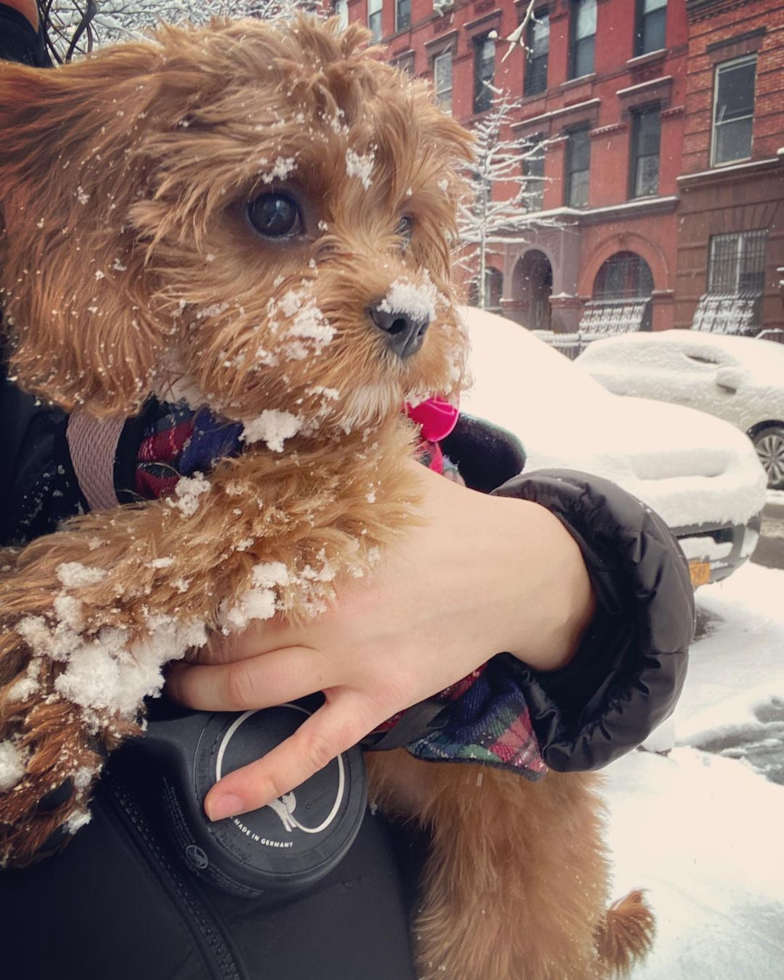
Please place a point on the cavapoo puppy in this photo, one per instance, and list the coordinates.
(256, 219)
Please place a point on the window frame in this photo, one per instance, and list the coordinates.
(398, 25)
(574, 41)
(755, 239)
(640, 24)
(448, 54)
(635, 156)
(538, 145)
(481, 90)
(570, 171)
(721, 68)
(532, 62)
(375, 19)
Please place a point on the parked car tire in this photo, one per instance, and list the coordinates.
(769, 443)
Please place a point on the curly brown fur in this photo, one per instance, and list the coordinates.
(625, 937)
(129, 267)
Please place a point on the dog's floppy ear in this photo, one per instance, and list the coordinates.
(72, 275)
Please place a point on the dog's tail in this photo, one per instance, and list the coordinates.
(625, 935)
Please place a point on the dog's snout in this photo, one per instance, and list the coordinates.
(405, 333)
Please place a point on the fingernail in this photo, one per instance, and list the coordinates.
(226, 805)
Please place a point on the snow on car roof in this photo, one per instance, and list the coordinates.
(690, 467)
(760, 358)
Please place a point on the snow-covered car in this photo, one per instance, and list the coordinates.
(738, 379)
(699, 473)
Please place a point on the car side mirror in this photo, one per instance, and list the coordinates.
(728, 379)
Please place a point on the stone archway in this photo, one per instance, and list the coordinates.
(532, 287)
(621, 296)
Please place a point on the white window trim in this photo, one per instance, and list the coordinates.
(375, 7)
(725, 65)
(439, 57)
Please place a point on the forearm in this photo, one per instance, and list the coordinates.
(541, 592)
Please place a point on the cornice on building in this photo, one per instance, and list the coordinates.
(737, 171)
(642, 208)
(702, 9)
(556, 113)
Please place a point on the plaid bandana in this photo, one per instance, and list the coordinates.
(488, 720)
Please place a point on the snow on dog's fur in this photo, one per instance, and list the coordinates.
(130, 266)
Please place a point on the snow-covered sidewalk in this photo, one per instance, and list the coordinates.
(704, 832)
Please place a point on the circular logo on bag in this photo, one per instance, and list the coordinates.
(196, 857)
(297, 838)
(299, 821)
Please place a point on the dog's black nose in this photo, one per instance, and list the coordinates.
(405, 333)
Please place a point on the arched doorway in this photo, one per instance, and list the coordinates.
(532, 287)
(621, 300)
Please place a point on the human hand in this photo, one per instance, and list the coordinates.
(481, 575)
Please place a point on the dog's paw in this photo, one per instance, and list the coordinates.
(49, 758)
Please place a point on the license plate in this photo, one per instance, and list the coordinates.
(700, 573)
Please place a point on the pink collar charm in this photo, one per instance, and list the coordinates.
(436, 417)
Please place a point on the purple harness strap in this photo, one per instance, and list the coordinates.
(92, 444)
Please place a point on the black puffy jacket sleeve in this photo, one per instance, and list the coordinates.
(629, 670)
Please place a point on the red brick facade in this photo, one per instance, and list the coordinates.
(555, 268)
(743, 197)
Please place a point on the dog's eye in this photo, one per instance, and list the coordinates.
(275, 215)
(405, 228)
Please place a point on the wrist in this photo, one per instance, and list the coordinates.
(546, 597)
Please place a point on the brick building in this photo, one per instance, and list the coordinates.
(731, 243)
(602, 84)
(622, 99)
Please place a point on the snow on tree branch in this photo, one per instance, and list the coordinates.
(75, 27)
(507, 190)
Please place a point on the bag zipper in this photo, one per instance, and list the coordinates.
(189, 901)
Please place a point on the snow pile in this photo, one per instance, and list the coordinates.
(738, 379)
(703, 836)
(701, 831)
(691, 468)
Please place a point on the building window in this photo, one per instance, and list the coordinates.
(533, 171)
(621, 297)
(583, 38)
(646, 137)
(736, 284)
(341, 12)
(375, 10)
(737, 263)
(442, 78)
(651, 26)
(624, 275)
(402, 15)
(537, 49)
(484, 70)
(578, 164)
(405, 63)
(733, 111)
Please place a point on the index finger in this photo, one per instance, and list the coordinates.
(259, 637)
(338, 725)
